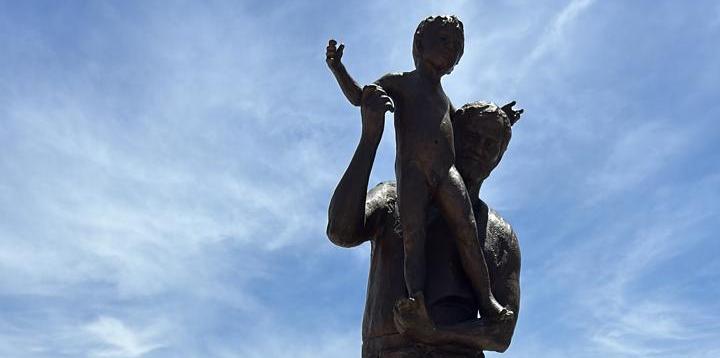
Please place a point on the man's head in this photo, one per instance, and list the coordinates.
(482, 133)
(439, 41)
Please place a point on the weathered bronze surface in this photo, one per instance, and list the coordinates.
(444, 271)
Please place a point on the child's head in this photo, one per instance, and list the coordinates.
(439, 40)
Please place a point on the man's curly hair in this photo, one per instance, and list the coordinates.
(484, 111)
(452, 21)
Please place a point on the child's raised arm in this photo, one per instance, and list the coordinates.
(350, 88)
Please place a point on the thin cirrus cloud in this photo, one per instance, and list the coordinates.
(166, 172)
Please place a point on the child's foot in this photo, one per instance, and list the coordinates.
(411, 318)
(496, 311)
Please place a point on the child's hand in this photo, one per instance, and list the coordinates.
(333, 54)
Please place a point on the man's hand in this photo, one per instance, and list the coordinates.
(411, 319)
(333, 54)
(513, 114)
(373, 105)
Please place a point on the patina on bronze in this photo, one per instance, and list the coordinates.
(420, 304)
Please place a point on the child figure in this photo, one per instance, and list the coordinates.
(425, 157)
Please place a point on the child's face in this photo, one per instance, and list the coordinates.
(441, 47)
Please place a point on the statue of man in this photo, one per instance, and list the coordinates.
(425, 158)
(451, 327)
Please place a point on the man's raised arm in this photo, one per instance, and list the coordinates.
(347, 216)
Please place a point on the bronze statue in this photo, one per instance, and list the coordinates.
(435, 203)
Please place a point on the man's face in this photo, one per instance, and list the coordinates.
(441, 46)
(479, 143)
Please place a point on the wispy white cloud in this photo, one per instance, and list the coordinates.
(122, 341)
(620, 318)
(280, 342)
(553, 35)
(176, 163)
(183, 195)
(636, 155)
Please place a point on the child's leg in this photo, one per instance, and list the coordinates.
(455, 205)
(413, 199)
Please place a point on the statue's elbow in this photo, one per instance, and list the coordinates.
(505, 339)
(500, 341)
(340, 237)
(356, 101)
(499, 345)
(333, 234)
(504, 344)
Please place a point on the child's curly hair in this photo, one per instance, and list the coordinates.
(452, 21)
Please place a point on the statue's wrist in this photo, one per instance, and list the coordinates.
(371, 137)
(336, 67)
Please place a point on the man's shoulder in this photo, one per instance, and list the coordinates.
(500, 230)
(501, 248)
(381, 201)
(498, 224)
(386, 190)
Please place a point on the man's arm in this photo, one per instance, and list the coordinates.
(350, 88)
(348, 215)
(494, 335)
(477, 334)
(480, 335)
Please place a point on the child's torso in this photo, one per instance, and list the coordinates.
(423, 129)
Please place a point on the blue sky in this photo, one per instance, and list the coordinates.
(165, 170)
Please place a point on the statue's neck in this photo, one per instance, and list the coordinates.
(474, 192)
(429, 73)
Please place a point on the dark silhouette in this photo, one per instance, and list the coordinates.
(453, 329)
(425, 158)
